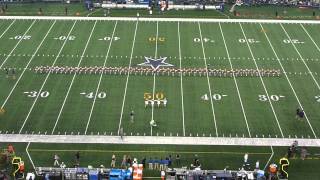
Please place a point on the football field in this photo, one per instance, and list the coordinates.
(206, 79)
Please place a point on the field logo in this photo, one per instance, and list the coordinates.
(155, 63)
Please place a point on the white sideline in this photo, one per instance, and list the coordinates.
(161, 19)
(100, 139)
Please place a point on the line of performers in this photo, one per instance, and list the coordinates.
(159, 71)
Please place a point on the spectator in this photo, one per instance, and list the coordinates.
(143, 162)
(150, 163)
(124, 162)
(56, 159)
(62, 165)
(113, 161)
(169, 160)
(77, 155)
(289, 153)
(178, 159)
(303, 153)
(129, 161)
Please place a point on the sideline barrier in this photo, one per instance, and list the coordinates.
(157, 140)
(160, 19)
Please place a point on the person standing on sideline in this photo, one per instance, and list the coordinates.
(132, 116)
(56, 159)
(124, 162)
(113, 161)
(77, 155)
(66, 11)
(178, 159)
(121, 132)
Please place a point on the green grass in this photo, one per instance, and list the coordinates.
(68, 111)
(269, 12)
(48, 9)
(257, 12)
(191, 116)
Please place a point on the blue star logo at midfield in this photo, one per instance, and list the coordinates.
(155, 63)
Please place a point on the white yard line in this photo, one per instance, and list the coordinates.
(73, 78)
(235, 81)
(272, 153)
(30, 159)
(285, 74)
(180, 65)
(126, 87)
(33, 55)
(5, 60)
(44, 82)
(154, 75)
(315, 81)
(99, 83)
(209, 85)
(262, 82)
(7, 28)
(310, 37)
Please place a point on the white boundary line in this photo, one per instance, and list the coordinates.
(235, 81)
(285, 74)
(98, 87)
(154, 75)
(73, 78)
(33, 55)
(272, 153)
(100, 139)
(161, 19)
(294, 46)
(180, 65)
(44, 82)
(7, 28)
(9, 55)
(30, 159)
(209, 85)
(126, 87)
(261, 79)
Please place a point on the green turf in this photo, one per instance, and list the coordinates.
(78, 9)
(186, 114)
(66, 110)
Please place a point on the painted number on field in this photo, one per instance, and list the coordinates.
(206, 40)
(294, 41)
(18, 37)
(63, 38)
(216, 97)
(317, 98)
(90, 95)
(251, 41)
(263, 97)
(34, 94)
(157, 96)
(108, 38)
(154, 39)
